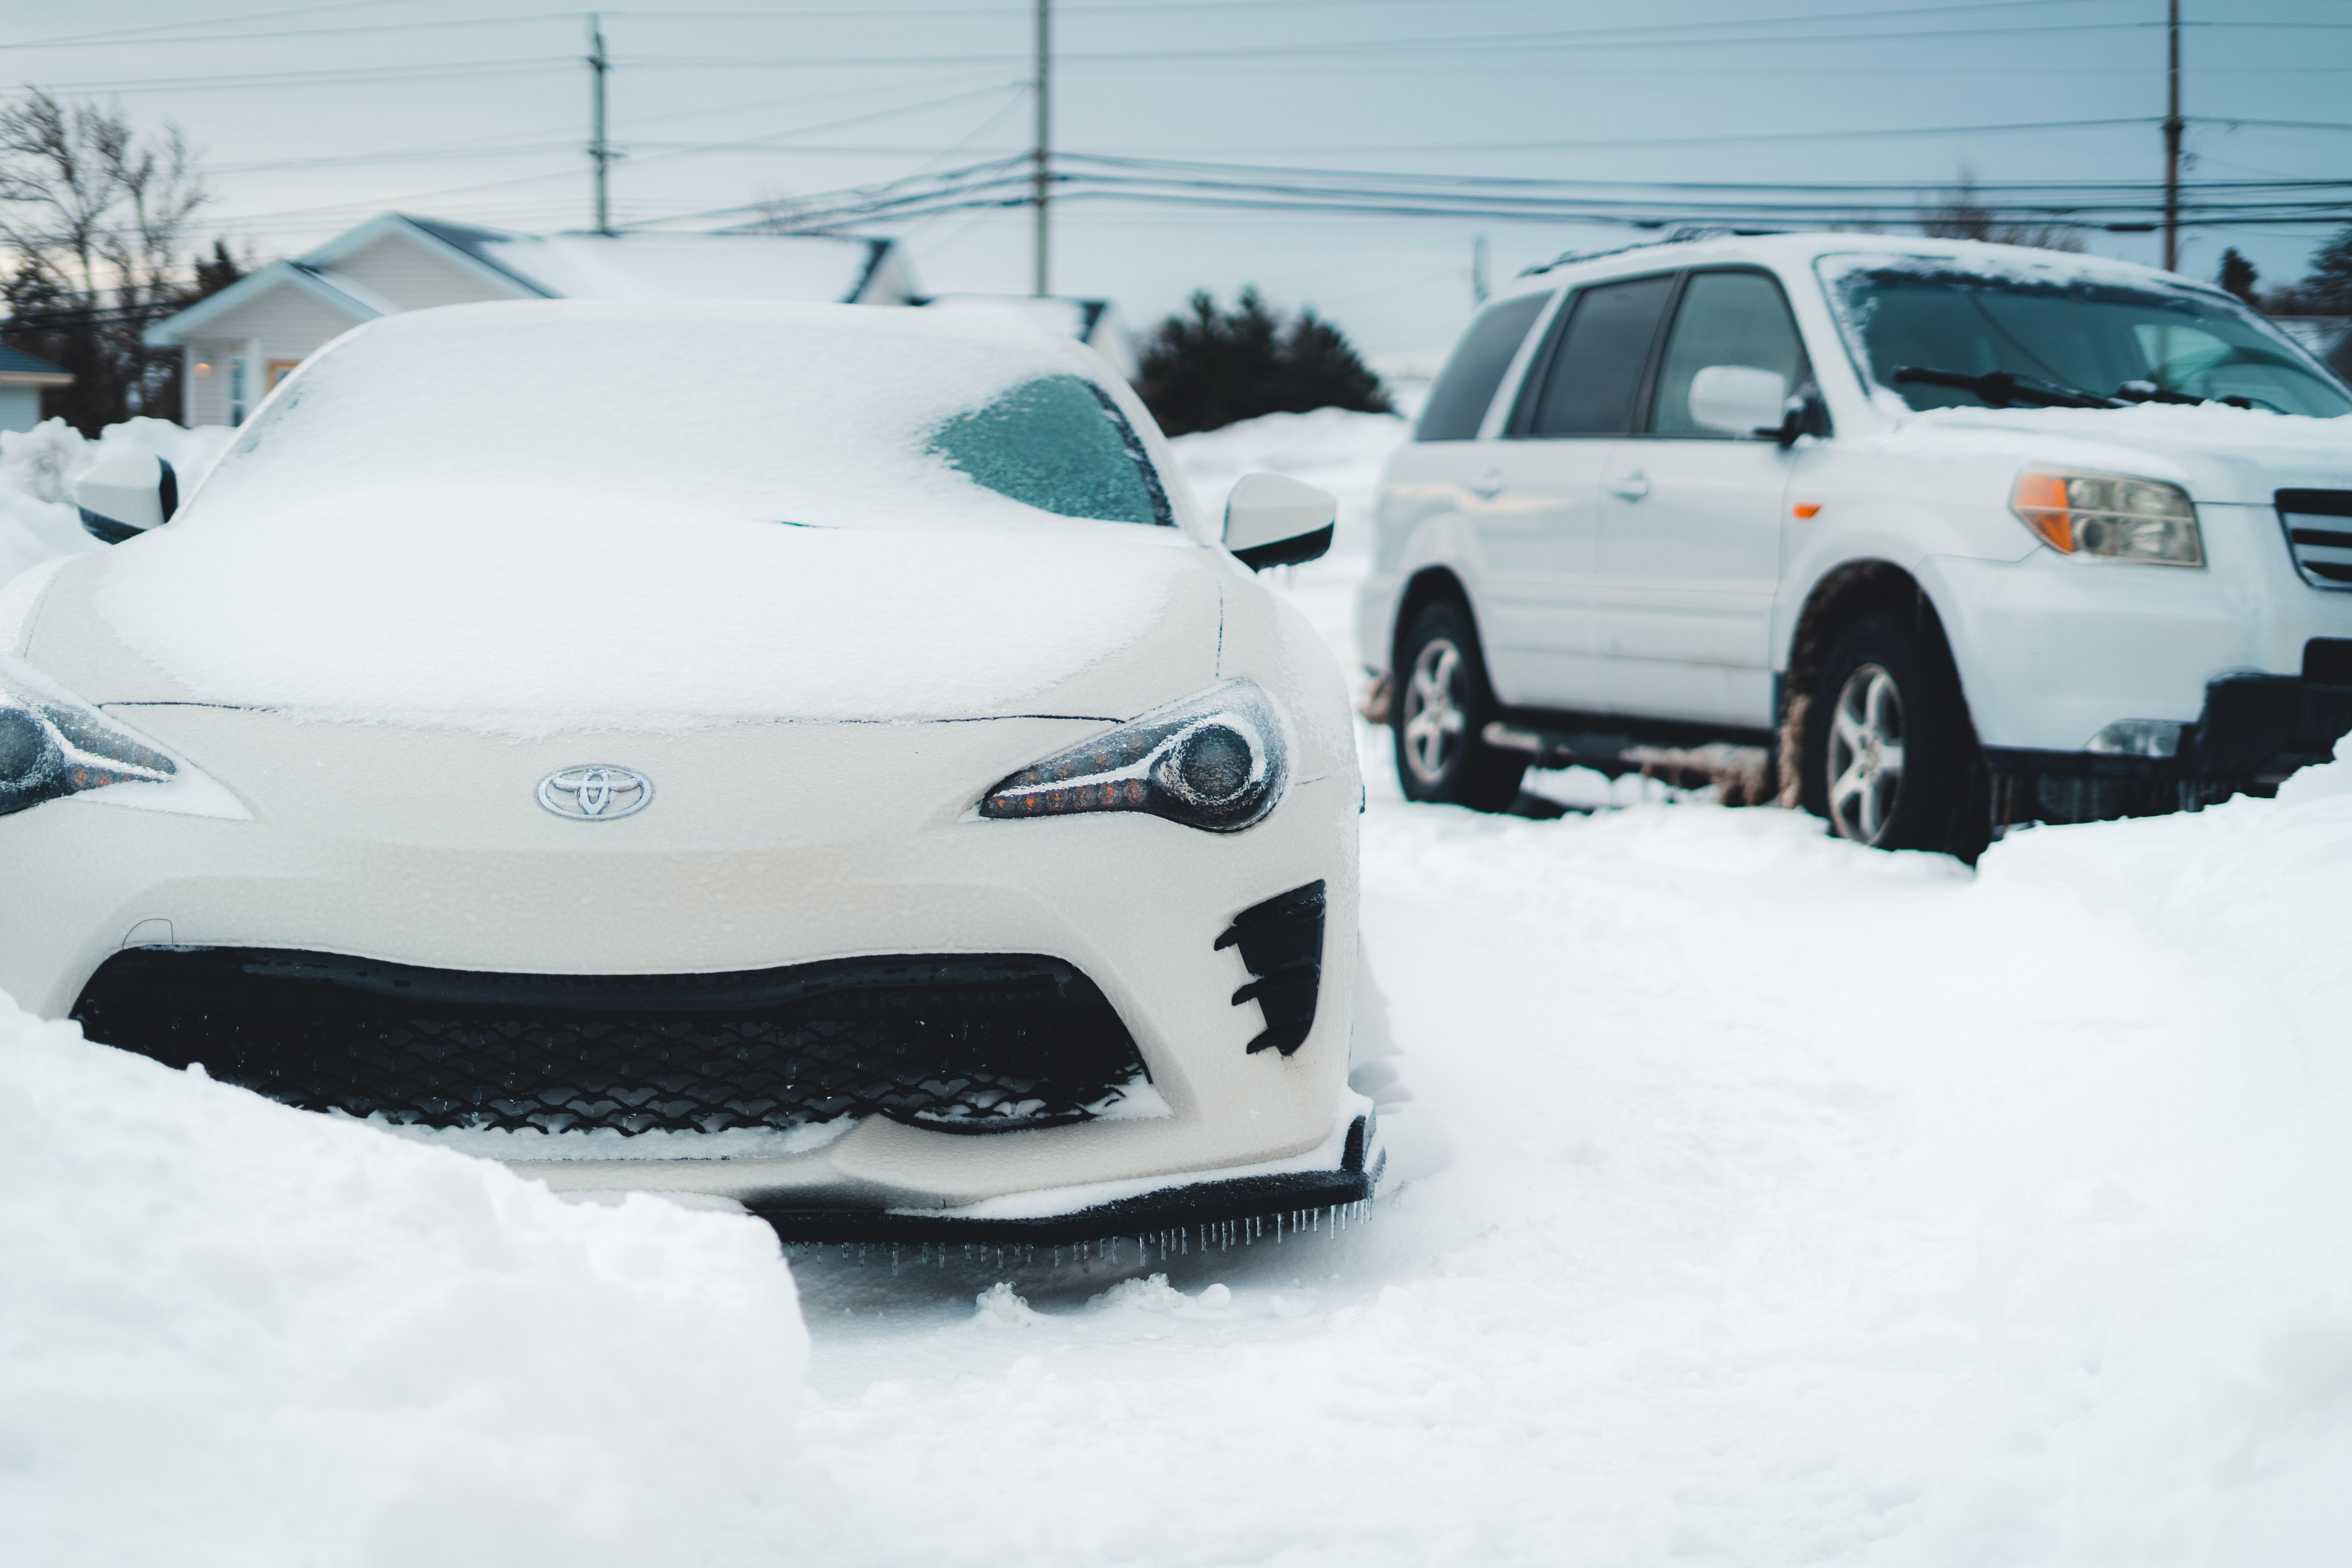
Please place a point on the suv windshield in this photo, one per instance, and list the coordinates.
(2059, 335)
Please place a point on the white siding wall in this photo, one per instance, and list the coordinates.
(403, 271)
(20, 408)
(291, 322)
(206, 394)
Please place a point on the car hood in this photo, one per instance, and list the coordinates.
(2219, 454)
(480, 618)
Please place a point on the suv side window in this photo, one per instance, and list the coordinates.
(1595, 373)
(1457, 404)
(1725, 318)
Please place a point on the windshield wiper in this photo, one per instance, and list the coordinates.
(2001, 389)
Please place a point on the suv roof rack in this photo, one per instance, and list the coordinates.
(1684, 233)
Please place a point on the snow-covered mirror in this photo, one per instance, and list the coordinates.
(1275, 520)
(126, 495)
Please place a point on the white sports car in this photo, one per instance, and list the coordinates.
(822, 757)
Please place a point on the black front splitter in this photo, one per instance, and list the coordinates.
(1293, 1199)
(1270, 1198)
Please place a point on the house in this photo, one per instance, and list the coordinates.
(2328, 339)
(1094, 322)
(22, 377)
(240, 343)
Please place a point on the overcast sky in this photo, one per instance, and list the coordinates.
(722, 102)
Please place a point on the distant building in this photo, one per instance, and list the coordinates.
(240, 343)
(2327, 338)
(1094, 322)
(22, 377)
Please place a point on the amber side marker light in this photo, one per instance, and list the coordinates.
(1806, 510)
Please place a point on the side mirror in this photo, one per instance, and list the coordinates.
(1739, 400)
(1271, 520)
(123, 496)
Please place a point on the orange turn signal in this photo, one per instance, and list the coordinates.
(2040, 502)
(1807, 509)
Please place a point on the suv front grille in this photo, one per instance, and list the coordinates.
(2319, 535)
(961, 1043)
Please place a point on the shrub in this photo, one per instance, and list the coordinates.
(1205, 367)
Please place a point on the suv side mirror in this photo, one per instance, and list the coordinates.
(123, 496)
(1273, 520)
(1739, 400)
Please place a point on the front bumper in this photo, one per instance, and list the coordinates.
(771, 845)
(2252, 730)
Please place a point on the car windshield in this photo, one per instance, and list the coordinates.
(2034, 337)
(820, 417)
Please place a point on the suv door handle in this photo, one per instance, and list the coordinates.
(1489, 484)
(1633, 487)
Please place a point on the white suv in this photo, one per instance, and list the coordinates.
(1927, 536)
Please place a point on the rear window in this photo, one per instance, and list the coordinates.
(1457, 404)
(1590, 386)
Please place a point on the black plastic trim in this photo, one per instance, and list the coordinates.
(1286, 552)
(1172, 1208)
(1282, 945)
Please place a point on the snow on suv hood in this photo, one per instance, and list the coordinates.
(524, 622)
(2220, 453)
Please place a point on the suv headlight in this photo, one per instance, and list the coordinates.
(2113, 515)
(1216, 762)
(52, 746)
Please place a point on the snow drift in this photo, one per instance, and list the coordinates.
(38, 468)
(232, 1332)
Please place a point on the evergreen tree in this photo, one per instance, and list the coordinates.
(2239, 277)
(1205, 367)
(2326, 290)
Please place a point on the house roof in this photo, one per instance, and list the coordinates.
(1047, 314)
(16, 363)
(788, 269)
(359, 303)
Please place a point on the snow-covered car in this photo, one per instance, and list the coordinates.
(820, 757)
(1927, 536)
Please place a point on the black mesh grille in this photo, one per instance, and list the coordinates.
(983, 1043)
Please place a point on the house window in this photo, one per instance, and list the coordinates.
(279, 369)
(236, 390)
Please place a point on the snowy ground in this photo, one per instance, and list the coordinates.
(1760, 1201)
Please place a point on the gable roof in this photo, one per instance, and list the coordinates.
(18, 363)
(359, 303)
(787, 269)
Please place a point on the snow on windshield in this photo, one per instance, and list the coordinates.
(2067, 327)
(822, 416)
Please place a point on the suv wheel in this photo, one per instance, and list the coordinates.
(1890, 756)
(1443, 710)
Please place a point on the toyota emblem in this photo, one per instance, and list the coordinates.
(596, 791)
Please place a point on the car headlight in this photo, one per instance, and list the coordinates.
(52, 746)
(2113, 515)
(1216, 762)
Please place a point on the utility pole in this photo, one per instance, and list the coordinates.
(2172, 145)
(600, 151)
(1044, 132)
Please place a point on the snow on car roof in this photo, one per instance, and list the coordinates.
(530, 516)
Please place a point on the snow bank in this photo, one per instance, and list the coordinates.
(1766, 1201)
(232, 1332)
(38, 468)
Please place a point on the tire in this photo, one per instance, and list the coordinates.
(1890, 756)
(1443, 707)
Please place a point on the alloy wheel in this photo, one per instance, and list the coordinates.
(1436, 704)
(1865, 754)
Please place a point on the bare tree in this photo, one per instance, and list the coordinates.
(95, 214)
(1960, 214)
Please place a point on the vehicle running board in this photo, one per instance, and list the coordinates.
(1743, 774)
